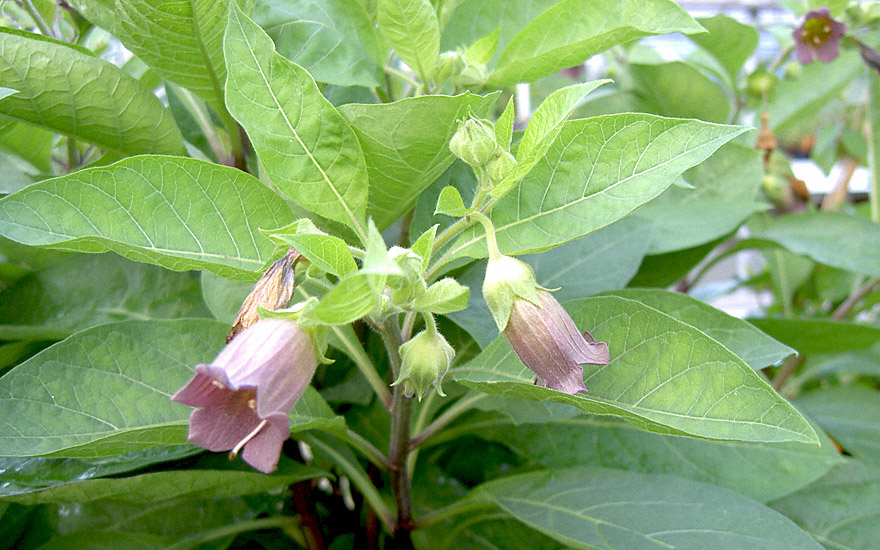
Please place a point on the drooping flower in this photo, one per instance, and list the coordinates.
(247, 391)
(818, 37)
(538, 329)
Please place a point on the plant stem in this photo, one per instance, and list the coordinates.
(72, 155)
(787, 369)
(454, 411)
(456, 508)
(873, 129)
(38, 19)
(853, 299)
(367, 449)
(286, 522)
(406, 222)
(399, 445)
(355, 350)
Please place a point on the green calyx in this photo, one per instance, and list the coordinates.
(425, 358)
(474, 141)
(507, 279)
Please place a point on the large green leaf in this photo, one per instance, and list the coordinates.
(741, 337)
(725, 195)
(664, 376)
(182, 41)
(728, 40)
(412, 28)
(816, 336)
(569, 33)
(405, 144)
(839, 240)
(756, 470)
(32, 144)
(597, 171)
(849, 415)
(614, 509)
(160, 486)
(332, 39)
(81, 291)
(67, 90)
(604, 260)
(679, 89)
(841, 510)
(106, 390)
(307, 149)
(473, 19)
(175, 212)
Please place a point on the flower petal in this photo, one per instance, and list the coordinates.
(224, 423)
(262, 452)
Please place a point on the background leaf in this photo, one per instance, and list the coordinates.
(305, 146)
(626, 510)
(849, 415)
(65, 89)
(175, 212)
(817, 336)
(679, 89)
(728, 40)
(664, 376)
(412, 28)
(406, 146)
(597, 171)
(332, 39)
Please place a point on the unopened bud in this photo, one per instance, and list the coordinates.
(424, 361)
(474, 141)
(500, 165)
(449, 64)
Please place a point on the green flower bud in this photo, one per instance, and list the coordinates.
(499, 166)
(449, 64)
(792, 70)
(474, 141)
(424, 362)
(409, 286)
(508, 279)
(760, 83)
(776, 189)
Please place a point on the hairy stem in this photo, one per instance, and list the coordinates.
(853, 299)
(367, 449)
(454, 411)
(38, 19)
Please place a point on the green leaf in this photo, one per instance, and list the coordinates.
(329, 253)
(725, 194)
(305, 146)
(348, 301)
(444, 296)
(81, 291)
(175, 212)
(504, 125)
(543, 129)
(332, 39)
(567, 34)
(472, 20)
(756, 470)
(405, 144)
(106, 390)
(597, 171)
(161, 486)
(97, 12)
(482, 50)
(841, 510)
(183, 42)
(451, 204)
(849, 415)
(66, 89)
(614, 509)
(741, 337)
(604, 260)
(679, 89)
(28, 142)
(424, 245)
(816, 336)
(412, 28)
(839, 240)
(728, 40)
(664, 376)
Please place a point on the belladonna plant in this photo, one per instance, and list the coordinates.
(818, 37)
(247, 391)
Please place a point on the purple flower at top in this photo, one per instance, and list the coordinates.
(247, 391)
(547, 341)
(818, 37)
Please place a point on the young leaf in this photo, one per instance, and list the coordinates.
(664, 376)
(728, 40)
(615, 509)
(482, 50)
(567, 34)
(183, 42)
(66, 89)
(451, 204)
(348, 301)
(175, 212)
(406, 146)
(325, 251)
(412, 28)
(544, 126)
(504, 125)
(597, 171)
(444, 296)
(424, 245)
(101, 391)
(741, 337)
(306, 147)
(334, 40)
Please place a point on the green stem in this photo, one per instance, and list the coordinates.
(454, 411)
(460, 225)
(72, 155)
(205, 126)
(289, 524)
(422, 418)
(38, 19)
(491, 243)
(360, 480)
(367, 449)
(355, 350)
(402, 76)
(873, 124)
(455, 509)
